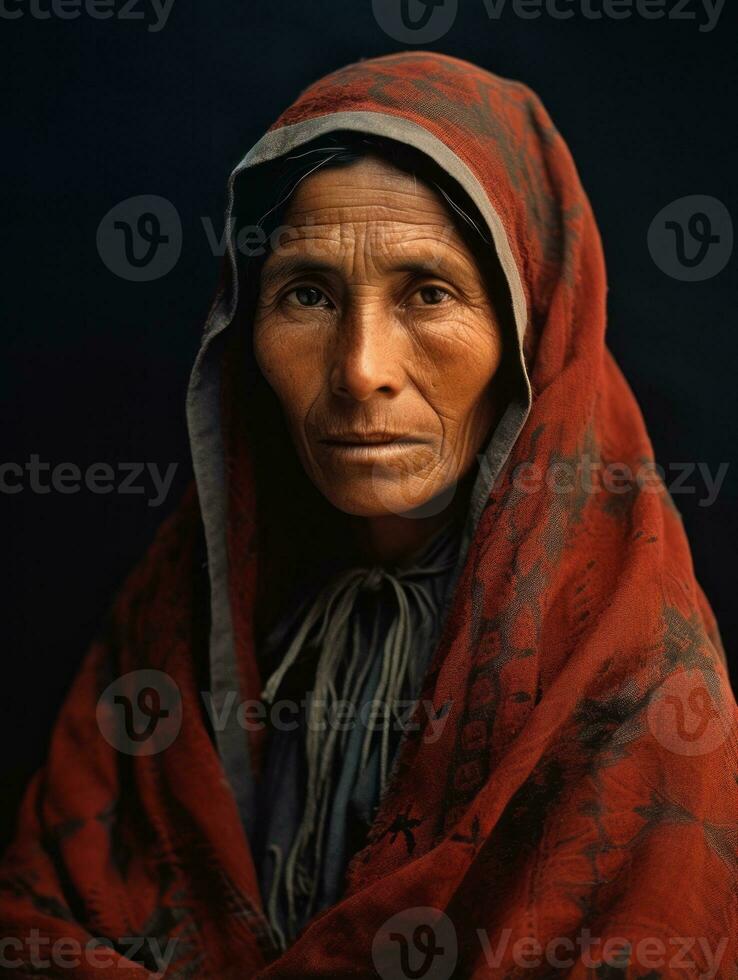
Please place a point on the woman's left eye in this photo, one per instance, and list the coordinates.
(433, 295)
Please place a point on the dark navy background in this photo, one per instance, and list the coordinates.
(94, 368)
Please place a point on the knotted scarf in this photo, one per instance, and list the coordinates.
(367, 636)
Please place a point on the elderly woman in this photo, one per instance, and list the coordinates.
(418, 680)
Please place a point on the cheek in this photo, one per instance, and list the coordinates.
(290, 366)
(460, 364)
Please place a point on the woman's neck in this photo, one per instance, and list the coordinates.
(395, 538)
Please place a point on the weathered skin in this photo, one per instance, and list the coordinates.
(373, 317)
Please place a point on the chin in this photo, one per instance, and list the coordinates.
(377, 498)
(359, 504)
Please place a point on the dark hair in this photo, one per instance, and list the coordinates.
(301, 537)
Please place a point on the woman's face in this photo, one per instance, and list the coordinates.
(374, 328)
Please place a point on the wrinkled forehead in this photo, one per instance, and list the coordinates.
(368, 210)
(370, 189)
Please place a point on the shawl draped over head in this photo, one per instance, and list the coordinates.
(575, 812)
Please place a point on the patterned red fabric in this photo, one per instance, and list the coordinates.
(577, 814)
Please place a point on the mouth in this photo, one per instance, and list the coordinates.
(369, 446)
(368, 439)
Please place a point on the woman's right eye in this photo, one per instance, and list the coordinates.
(309, 296)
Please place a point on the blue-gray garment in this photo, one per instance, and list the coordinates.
(369, 635)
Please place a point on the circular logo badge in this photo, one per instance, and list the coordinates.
(417, 943)
(692, 239)
(684, 716)
(140, 713)
(415, 21)
(140, 239)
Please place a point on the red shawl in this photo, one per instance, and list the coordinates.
(576, 816)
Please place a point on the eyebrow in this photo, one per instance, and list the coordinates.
(283, 268)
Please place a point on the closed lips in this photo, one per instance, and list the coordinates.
(368, 439)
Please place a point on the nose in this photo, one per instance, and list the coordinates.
(367, 359)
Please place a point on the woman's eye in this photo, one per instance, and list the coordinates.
(433, 295)
(309, 296)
